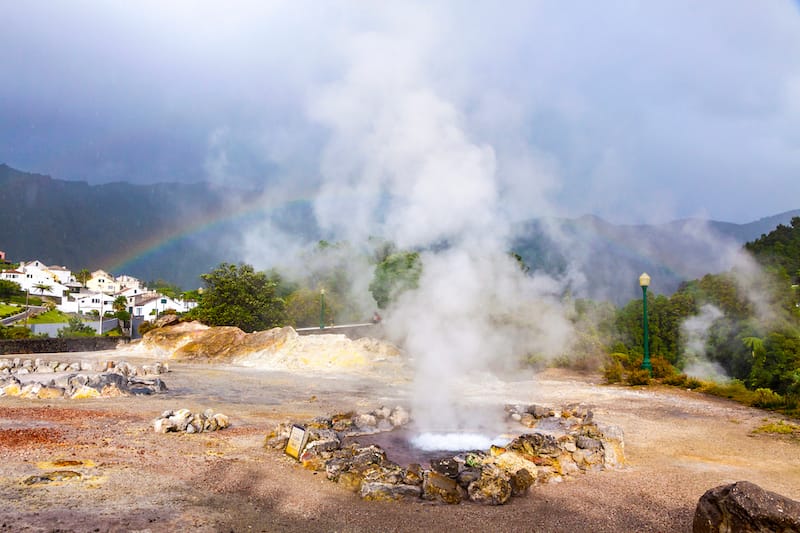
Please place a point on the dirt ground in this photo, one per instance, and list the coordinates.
(97, 465)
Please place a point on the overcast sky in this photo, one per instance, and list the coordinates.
(633, 111)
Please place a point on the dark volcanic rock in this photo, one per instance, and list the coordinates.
(745, 507)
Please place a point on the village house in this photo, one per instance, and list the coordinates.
(152, 304)
(102, 281)
(88, 303)
(36, 278)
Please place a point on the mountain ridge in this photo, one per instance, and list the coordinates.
(73, 223)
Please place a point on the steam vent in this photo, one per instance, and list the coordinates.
(557, 443)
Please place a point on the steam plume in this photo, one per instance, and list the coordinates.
(696, 331)
(401, 162)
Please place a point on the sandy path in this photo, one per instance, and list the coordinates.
(678, 445)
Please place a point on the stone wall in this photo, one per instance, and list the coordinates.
(86, 344)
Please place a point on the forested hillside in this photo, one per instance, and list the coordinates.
(746, 326)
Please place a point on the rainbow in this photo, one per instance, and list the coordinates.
(119, 262)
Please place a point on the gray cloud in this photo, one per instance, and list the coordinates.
(630, 111)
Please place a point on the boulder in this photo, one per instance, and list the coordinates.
(745, 507)
(376, 491)
(441, 488)
(492, 488)
(166, 320)
(213, 344)
(399, 417)
(521, 481)
(446, 466)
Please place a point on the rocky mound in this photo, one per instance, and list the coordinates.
(278, 348)
(48, 380)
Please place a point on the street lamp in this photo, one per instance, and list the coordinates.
(27, 308)
(322, 309)
(644, 282)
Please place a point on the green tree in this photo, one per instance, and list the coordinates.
(120, 304)
(394, 275)
(42, 288)
(15, 332)
(237, 295)
(164, 287)
(303, 308)
(76, 328)
(8, 289)
(83, 275)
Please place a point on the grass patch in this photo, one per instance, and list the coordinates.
(50, 317)
(8, 310)
(779, 428)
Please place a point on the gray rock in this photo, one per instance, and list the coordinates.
(587, 443)
(365, 421)
(745, 507)
(382, 412)
(467, 476)
(539, 412)
(377, 491)
(164, 425)
(446, 466)
(368, 455)
(399, 417)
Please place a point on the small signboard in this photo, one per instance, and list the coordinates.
(297, 441)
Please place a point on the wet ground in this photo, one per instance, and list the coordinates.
(124, 477)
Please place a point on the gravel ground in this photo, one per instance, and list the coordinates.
(127, 478)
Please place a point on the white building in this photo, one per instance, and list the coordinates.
(152, 304)
(102, 281)
(37, 279)
(129, 282)
(86, 303)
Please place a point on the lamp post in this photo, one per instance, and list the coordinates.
(27, 309)
(644, 282)
(322, 309)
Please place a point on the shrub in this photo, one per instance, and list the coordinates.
(638, 376)
(734, 390)
(693, 383)
(676, 380)
(14, 332)
(662, 368)
(613, 371)
(621, 358)
(767, 399)
(76, 328)
(145, 326)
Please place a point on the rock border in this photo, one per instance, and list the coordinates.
(563, 442)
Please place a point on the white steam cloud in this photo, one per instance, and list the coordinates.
(696, 331)
(401, 163)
